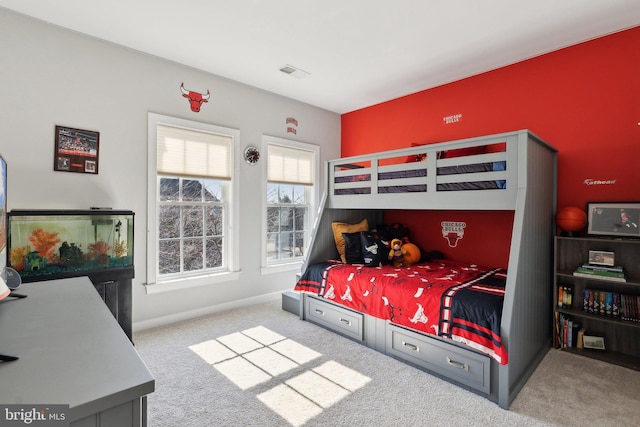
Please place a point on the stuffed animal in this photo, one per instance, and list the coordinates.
(395, 254)
(403, 254)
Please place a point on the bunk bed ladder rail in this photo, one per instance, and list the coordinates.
(526, 316)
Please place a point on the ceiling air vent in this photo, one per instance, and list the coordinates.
(293, 71)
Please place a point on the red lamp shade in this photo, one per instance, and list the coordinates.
(571, 219)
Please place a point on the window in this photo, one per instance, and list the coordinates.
(191, 217)
(191, 200)
(291, 198)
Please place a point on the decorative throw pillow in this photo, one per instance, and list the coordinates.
(342, 227)
(375, 251)
(353, 248)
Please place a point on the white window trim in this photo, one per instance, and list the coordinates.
(313, 204)
(232, 232)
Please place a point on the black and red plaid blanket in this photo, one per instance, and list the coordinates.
(449, 299)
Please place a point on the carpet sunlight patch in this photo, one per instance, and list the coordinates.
(212, 351)
(270, 361)
(318, 389)
(242, 373)
(291, 406)
(239, 342)
(295, 351)
(263, 335)
(258, 355)
(340, 374)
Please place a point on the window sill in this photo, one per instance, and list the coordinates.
(281, 268)
(180, 284)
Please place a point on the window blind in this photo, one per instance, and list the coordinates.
(290, 165)
(186, 152)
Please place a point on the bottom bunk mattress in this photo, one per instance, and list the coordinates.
(448, 299)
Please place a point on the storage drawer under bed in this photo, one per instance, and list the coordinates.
(341, 320)
(464, 366)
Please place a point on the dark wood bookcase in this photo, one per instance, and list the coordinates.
(621, 337)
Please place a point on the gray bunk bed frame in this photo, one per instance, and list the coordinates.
(526, 327)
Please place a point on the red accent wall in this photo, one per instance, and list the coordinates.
(486, 239)
(584, 100)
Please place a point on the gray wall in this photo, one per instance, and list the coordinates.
(51, 76)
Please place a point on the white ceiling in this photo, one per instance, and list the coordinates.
(358, 52)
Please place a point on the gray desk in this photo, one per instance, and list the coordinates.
(72, 351)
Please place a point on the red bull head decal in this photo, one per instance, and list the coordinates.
(195, 99)
(453, 231)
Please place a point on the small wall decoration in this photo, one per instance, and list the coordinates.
(453, 231)
(195, 99)
(292, 125)
(251, 155)
(621, 219)
(454, 118)
(76, 150)
(590, 181)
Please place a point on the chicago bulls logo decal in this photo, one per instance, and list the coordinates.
(453, 231)
(195, 99)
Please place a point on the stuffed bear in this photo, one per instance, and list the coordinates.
(403, 254)
(395, 254)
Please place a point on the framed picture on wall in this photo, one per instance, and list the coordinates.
(76, 150)
(613, 219)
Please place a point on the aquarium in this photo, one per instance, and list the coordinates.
(46, 244)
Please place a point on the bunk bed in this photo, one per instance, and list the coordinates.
(513, 171)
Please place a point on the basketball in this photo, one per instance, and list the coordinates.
(571, 219)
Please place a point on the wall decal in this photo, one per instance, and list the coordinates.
(195, 99)
(453, 231)
(590, 181)
(76, 150)
(292, 125)
(447, 120)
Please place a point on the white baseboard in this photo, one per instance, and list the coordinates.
(204, 311)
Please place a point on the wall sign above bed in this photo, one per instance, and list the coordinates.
(454, 118)
(453, 231)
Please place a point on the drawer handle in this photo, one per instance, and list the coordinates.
(320, 312)
(457, 364)
(345, 321)
(410, 346)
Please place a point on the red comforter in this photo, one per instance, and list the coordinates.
(449, 299)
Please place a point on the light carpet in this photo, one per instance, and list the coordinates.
(262, 366)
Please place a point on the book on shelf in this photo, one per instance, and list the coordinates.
(612, 269)
(567, 332)
(629, 307)
(611, 304)
(615, 276)
(565, 296)
(581, 332)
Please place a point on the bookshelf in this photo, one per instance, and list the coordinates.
(620, 327)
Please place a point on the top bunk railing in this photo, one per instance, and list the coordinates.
(476, 173)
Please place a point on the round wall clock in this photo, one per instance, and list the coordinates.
(251, 155)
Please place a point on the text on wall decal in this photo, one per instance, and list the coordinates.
(590, 181)
(292, 125)
(453, 231)
(447, 120)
